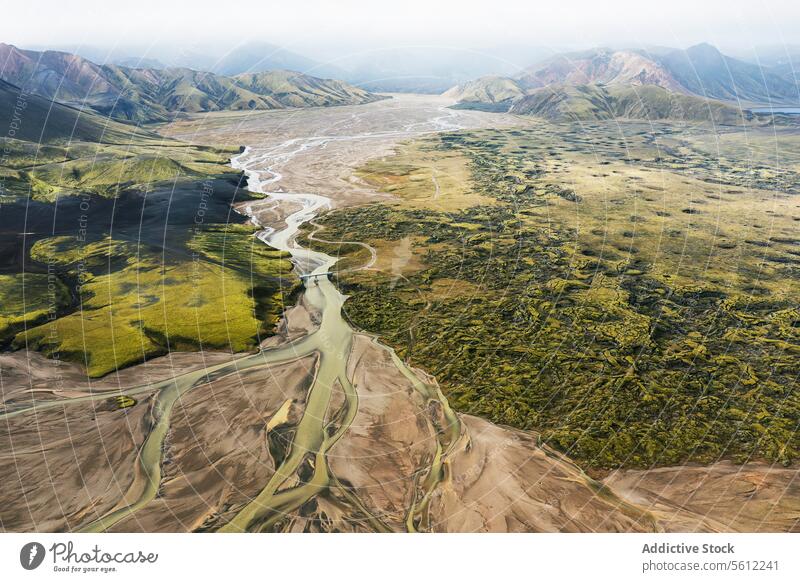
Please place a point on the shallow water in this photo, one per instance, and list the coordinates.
(774, 110)
(319, 428)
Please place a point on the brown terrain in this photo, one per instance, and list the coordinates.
(392, 455)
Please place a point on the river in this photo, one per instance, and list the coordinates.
(331, 342)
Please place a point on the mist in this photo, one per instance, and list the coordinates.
(342, 30)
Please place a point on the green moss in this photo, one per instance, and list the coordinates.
(134, 305)
(105, 169)
(235, 246)
(623, 344)
(28, 299)
(160, 283)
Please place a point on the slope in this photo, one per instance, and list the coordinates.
(146, 95)
(594, 102)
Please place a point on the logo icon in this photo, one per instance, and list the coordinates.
(31, 555)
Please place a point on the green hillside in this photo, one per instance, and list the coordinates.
(592, 102)
(28, 117)
(290, 89)
(117, 243)
(146, 95)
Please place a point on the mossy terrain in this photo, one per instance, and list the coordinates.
(46, 172)
(628, 291)
(133, 304)
(28, 299)
(117, 245)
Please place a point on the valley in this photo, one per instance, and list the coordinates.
(147, 95)
(602, 269)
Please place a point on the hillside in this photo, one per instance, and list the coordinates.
(102, 256)
(594, 102)
(600, 66)
(43, 120)
(52, 150)
(290, 89)
(703, 70)
(699, 71)
(490, 90)
(155, 94)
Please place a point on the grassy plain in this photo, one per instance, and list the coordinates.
(625, 288)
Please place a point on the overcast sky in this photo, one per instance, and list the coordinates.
(326, 28)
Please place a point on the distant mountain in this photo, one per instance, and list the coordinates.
(488, 90)
(250, 57)
(139, 63)
(291, 89)
(700, 71)
(601, 67)
(703, 70)
(596, 102)
(789, 71)
(261, 57)
(781, 59)
(430, 69)
(151, 94)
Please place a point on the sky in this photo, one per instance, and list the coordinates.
(328, 28)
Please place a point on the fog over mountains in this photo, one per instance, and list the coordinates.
(701, 70)
(696, 84)
(154, 94)
(589, 84)
(761, 74)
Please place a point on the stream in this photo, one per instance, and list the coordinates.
(314, 436)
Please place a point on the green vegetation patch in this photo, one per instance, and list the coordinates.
(585, 303)
(28, 299)
(141, 265)
(46, 172)
(133, 303)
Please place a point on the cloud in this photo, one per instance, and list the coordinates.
(318, 25)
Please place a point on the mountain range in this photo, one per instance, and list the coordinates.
(39, 120)
(602, 77)
(156, 94)
(598, 102)
(402, 69)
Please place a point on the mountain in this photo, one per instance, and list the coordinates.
(699, 70)
(431, 69)
(782, 59)
(601, 67)
(705, 71)
(261, 57)
(250, 57)
(153, 94)
(495, 90)
(596, 102)
(290, 89)
(35, 119)
(696, 84)
(139, 63)
(789, 71)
